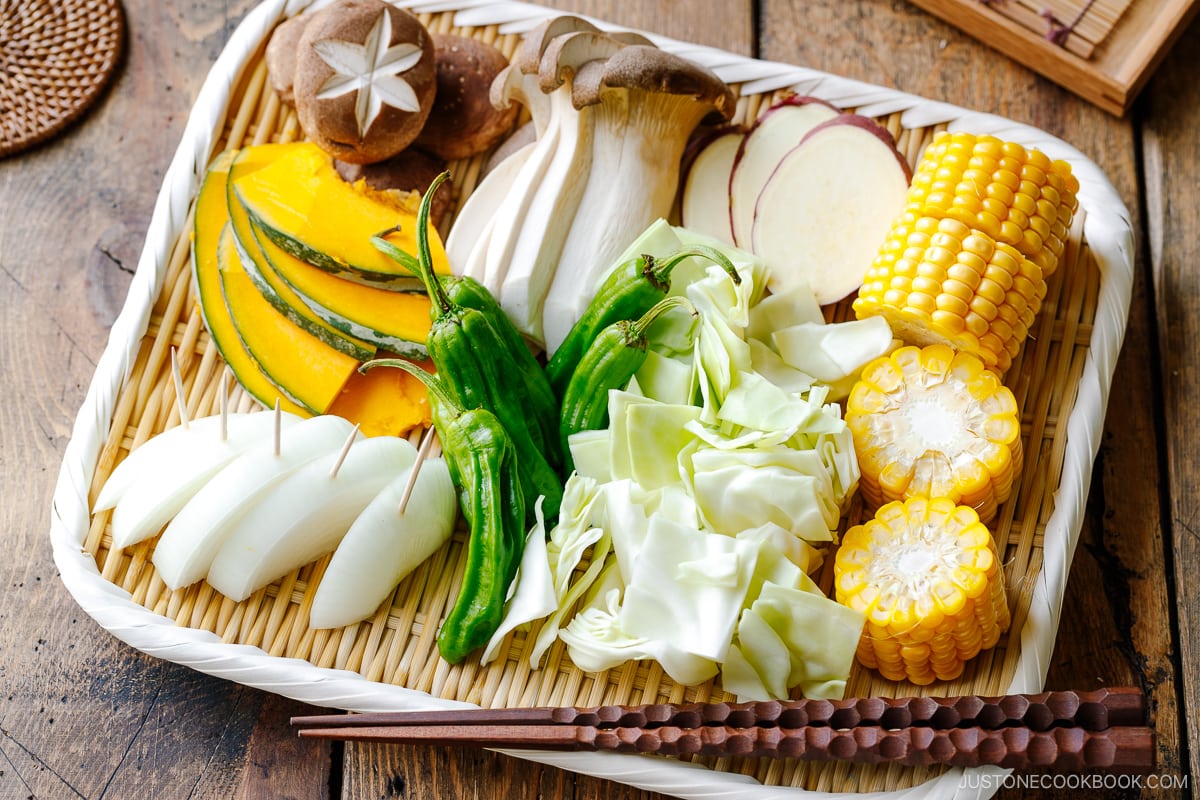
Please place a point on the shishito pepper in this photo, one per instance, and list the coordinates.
(484, 465)
(628, 292)
(465, 291)
(609, 363)
(470, 353)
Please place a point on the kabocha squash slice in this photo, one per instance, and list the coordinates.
(384, 402)
(210, 219)
(301, 202)
(395, 321)
(272, 287)
(304, 368)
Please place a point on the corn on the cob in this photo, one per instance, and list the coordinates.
(936, 281)
(926, 576)
(1017, 196)
(930, 422)
(965, 264)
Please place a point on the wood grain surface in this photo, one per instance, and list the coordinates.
(83, 715)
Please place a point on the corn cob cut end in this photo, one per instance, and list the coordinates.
(927, 577)
(932, 422)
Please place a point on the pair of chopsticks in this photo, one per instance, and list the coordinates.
(1053, 731)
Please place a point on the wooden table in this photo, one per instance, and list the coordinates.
(83, 715)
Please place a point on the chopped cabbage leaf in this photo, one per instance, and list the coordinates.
(814, 636)
(767, 363)
(628, 523)
(656, 434)
(677, 608)
(750, 268)
(590, 452)
(575, 531)
(620, 457)
(740, 489)
(666, 379)
(594, 637)
(674, 503)
(794, 306)
(534, 596)
(836, 451)
(566, 601)
(758, 403)
(783, 559)
(831, 353)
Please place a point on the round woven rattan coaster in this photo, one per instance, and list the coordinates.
(55, 58)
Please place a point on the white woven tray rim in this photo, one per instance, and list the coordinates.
(1108, 231)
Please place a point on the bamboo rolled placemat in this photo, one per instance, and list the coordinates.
(1060, 380)
(1102, 50)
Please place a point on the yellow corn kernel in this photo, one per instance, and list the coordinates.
(926, 575)
(948, 286)
(930, 422)
(998, 188)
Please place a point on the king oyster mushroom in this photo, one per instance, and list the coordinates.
(646, 103)
(522, 259)
(508, 188)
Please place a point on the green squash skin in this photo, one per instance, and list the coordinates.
(255, 263)
(396, 282)
(383, 339)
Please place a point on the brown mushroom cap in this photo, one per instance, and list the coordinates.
(566, 54)
(650, 69)
(281, 55)
(528, 57)
(333, 122)
(463, 120)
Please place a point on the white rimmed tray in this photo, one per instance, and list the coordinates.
(1107, 231)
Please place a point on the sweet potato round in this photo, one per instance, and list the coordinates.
(333, 121)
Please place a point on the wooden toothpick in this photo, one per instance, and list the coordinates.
(345, 451)
(178, 377)
(223, 400)
(422, 454)
(278, 428)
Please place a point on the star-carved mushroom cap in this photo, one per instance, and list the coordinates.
(365, 79)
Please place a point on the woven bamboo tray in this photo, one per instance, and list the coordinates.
(1061, 381)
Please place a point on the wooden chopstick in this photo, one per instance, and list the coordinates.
(1094, 710)
(1118, 749)
(1060, 731)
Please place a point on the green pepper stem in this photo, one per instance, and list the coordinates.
(637, 328)
(432, 383)
(395, 253)
(659, 270)
(433, 286)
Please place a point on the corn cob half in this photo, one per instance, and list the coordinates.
(936, 281)
(930, 422)
(966, 262)
(926, 575)
(1016, 196)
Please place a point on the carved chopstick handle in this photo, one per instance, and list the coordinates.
(1096, 710)
(1121, 749)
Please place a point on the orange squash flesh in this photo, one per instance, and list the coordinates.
(306, 208)
(272, 286)
(304, 368)
(210, 218)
